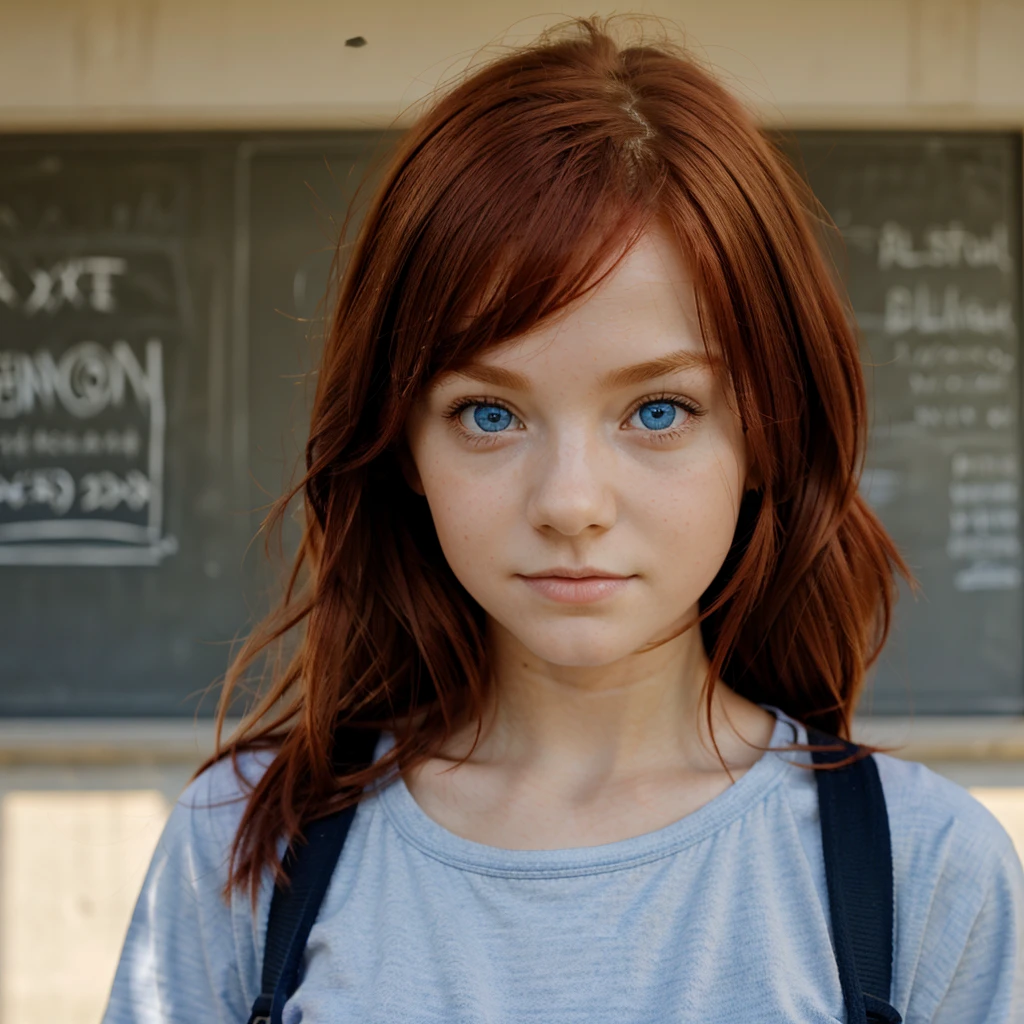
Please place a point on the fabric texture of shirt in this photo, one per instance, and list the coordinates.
(721, 917)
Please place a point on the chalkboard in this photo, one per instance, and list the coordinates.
(931, 254)
(159, 315)
(148, 346)
(296, 195)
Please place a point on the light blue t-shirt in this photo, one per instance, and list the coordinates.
(721, 917)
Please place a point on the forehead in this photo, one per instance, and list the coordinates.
(640, 321)
(651, 284)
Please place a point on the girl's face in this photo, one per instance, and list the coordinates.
(600, 441)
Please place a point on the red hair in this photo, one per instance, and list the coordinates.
(512, 195)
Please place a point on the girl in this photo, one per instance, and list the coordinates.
(583, 559)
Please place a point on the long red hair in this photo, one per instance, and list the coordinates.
(512, 195)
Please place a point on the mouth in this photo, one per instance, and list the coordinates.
(594, 585)
(584, 572)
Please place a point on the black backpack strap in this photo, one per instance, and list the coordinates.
(309, 867)
(858, 871)
(293, 911)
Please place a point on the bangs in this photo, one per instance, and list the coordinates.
(531, 216)
(524, 286)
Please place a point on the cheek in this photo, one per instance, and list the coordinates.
(470, 516)
(466, 509)
(692, 528)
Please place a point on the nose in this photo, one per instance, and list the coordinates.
(571, 485)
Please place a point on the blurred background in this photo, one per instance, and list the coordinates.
(173, 176)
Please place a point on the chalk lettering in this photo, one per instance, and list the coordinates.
(956, 383)
(946, 246)
(988, 576)
(925, 312)
(945, 355)
(84, 381)
(57, 286)
(983, 493)
(983, 546)
(53, 488)
(25, 443)
(990, 464)
(107, 490)
(983, 520)
(951, 417)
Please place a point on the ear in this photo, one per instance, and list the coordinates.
(408, 466)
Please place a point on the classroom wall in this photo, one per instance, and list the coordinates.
(86, 64)
(81, 804)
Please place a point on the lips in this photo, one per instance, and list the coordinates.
(577, 589)
(585, 572)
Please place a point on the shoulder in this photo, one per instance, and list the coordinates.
(228, 780)
(189, 953)
(939, 831)
(958, 899)
(933, 819)
(206, 816)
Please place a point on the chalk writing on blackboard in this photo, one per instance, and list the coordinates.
(946, 333)
(107, 481)
(947, 245)
(76, 283)
(984, 520)
(83, 409)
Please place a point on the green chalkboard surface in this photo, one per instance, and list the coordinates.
(156, 304)
(160, 308)
(931, 255)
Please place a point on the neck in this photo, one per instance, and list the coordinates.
(643, 714)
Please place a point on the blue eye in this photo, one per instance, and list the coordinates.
(492, 418)
(657, 415)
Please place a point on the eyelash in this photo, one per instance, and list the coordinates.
(456, 408)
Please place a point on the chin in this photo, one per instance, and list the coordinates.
(578, 644)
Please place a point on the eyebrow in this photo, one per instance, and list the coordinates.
(625, 376)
